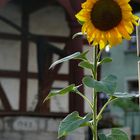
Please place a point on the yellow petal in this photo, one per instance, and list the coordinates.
(92, 35)
(88, 4)
(83, 15)
(136, 17)
(123, 32)
(113, 37)
(102, 43)
(121, 2)
(126, 7)
(128, 26)
(127, 16)
(95, 43)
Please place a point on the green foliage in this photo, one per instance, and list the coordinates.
(77, 55)
(72, 122)
(82, 56)
(125, 95)
(105, 60)
(86, 65)
(65, 59)
(126, 104)
(102, 136)
(63, 91)
(107, 85)
(116, 134)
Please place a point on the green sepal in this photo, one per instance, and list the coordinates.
(107, 85)
(72, 122)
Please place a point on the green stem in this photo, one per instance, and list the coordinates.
(104, 107)
(99, 55)
(85, 98)
(94, 125)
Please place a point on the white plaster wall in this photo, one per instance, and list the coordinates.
(50, 20)
(12, 12)
(9, 55)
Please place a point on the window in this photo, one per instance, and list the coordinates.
(132, 87)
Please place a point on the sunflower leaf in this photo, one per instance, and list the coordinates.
(67, 58)
(86, 65)
(102, 136)
(82, 56)
(72, 122)
(105, 60)
(125, 95)
(61, 92)
(107, 85)
(117, 134)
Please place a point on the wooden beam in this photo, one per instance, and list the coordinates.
(67, 5)
(34, 37)
(33, 114)
(24, 59)
(76, 73)
(16, 74)
(4, 99)
(46, 83)
(30, 75)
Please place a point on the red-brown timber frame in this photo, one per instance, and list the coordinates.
(75, 73)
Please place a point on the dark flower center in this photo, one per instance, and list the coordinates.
(106, 14)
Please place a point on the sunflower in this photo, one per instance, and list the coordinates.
(107, 21)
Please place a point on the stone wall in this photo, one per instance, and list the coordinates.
(35, 128)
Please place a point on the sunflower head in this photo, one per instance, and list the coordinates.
(107, 21)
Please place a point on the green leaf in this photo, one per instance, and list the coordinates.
(72, 122)
(126, 104)
(107, 85)
(82, 56)
(86, 64)
(102, 136)
(105, 60)
(61, 92)
(67, 58)
(117, 134)
(125, 95)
